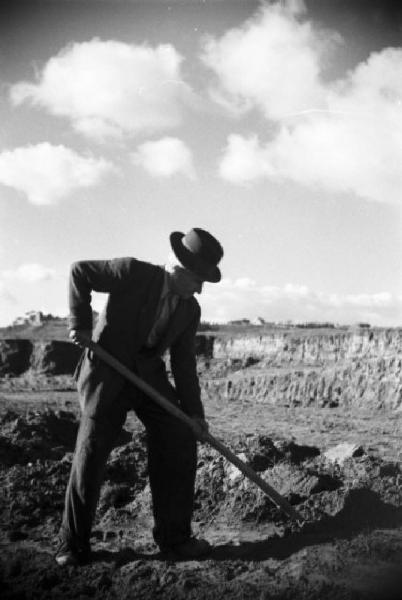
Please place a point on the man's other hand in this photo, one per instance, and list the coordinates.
(203, 426)
(80, 336)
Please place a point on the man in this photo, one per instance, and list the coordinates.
(149, 309)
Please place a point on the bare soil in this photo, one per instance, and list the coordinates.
(349, 547)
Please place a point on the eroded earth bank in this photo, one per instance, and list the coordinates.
(316, 413)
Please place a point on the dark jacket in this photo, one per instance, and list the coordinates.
(134, 289)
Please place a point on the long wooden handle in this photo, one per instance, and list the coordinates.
(199, 433)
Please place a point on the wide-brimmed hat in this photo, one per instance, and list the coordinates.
(199, 252)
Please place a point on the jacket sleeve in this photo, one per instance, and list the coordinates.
(105, 276)
(184, 369)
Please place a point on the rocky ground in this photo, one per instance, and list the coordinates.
(348, 547)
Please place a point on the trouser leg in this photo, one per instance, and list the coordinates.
(172, 461)
(95, 440)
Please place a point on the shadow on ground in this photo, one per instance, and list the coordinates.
(363, 512)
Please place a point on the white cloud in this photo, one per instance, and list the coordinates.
(342, 136)
(8, 305)
(47, 173)
(244, 283)
(244, 160)
(243, 298)
(29, 273)
(165, 157)
(111, 88)
(272, 62)
(6, 297)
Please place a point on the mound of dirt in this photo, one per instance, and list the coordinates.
(36, 436)
(224, 493)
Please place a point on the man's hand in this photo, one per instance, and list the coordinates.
(80, 336)
(203, 426)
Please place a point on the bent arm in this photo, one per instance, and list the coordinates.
(184, 369)
(86, 276)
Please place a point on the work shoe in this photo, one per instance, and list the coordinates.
(67, 555)
(191, 548)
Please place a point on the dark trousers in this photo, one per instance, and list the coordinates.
(172, 460)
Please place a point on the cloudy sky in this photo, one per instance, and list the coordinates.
(275, 125)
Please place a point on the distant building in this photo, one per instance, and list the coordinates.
(18, 321)
(35, 318)
(258, 321)
(32, 317)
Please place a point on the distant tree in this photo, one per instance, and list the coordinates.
(240, 322)
(315, 325)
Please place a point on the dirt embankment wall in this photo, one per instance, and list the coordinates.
(311, 349)
(55, 357)
(344, 368)
(52, 357)
(359, 369)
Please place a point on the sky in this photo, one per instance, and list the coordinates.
(276, 126)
